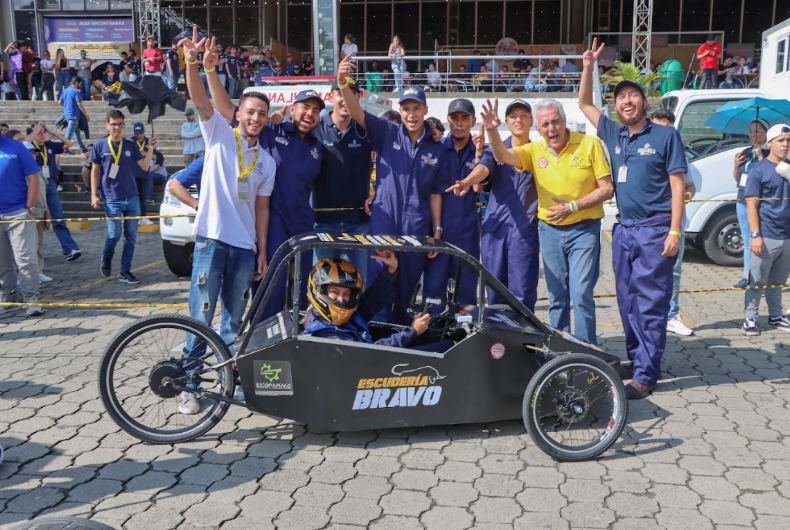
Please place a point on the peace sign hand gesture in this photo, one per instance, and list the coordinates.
(479, 140)
(192, 46)
(210, 57)
(590, 56)
(490, 115)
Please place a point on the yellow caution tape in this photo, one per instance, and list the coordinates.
(94, 305)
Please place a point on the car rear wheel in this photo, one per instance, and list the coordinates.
(723, 242)
(575, 407)
(179, 257)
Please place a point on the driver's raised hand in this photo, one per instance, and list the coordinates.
(192, 46)
(590, 56)
(389, 258)
(421, 322)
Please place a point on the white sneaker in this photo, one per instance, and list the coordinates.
(677, 326)
(188, 403)
(146, 222)
(34, 310)
(43, 277)
(60, 188)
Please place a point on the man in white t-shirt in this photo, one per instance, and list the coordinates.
(233, 214)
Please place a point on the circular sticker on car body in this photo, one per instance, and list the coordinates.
(498, 350)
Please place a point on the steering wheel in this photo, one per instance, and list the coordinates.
(440, 323)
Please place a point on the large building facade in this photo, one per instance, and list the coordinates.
(423, 25)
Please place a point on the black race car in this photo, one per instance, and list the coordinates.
(505, 364)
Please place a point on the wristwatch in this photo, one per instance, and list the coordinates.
(757, 234)
(439, 228)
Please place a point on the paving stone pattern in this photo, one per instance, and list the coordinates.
(708, 450)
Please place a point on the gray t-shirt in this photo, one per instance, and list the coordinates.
(83, 73)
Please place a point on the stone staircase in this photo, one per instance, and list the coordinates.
(167, 129)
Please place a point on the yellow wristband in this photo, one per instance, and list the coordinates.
(208, 70)
(675, 233)
(191, 62)
(344, 85)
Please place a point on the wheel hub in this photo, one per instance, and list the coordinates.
(161, 379)
(572, 406)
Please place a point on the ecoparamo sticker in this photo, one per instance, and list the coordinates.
(408, 387)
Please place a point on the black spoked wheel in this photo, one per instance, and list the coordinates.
(144, 374)
(575, 407)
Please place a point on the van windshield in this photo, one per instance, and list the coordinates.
(699, 140)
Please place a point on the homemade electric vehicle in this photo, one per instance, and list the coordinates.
(505, 364)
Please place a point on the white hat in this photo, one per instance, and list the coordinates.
(776, 131)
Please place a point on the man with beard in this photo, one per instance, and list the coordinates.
(459, 213)
(509, 245)
(297, 155)
(340, 193)
(650, 165)
(233, 217)
(573, 179)
(410, 178)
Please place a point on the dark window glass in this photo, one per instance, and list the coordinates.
(172, 24)
(73, 5)
(23, 4)
(299, 27)
(518, 22)
(175, 5)
(194, 3)
(49, 5)
(196, 17)
(247, 26)
(726, 20)
(666, 16)
(378, 29)
(406, 25)
(696, 17)
(221, 22)
(756, 19)
(434, 25)
(247, 3)
(616, 16)
(98, 5)
(547, 22)
(466, 23)
(25, 23)
(489, 23)
(351, 20)
(121, 5)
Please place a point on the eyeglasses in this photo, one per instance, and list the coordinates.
(117, 125)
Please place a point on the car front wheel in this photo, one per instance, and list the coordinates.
(179, 257)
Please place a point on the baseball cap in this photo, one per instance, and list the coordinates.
(304, 95)
(351, 84)
(776, 131)
(461, 105)
(190, 112)
(629, 82)
(139, 128)
(31, 147)
(413, 93)
(518, 103)
(711, 36)
(288, 55)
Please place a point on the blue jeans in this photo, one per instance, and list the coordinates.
(85, 89)
(746, 235)
(219, 271)
(56, 211)
(535, 88)
(359, 258)
(233, 85)
(397, 70)
(62, 79)
(171, 83)
(127, 208)
(571, 257)
(73, 129)
(674, 303)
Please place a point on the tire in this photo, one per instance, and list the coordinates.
(722, 242)
(178, 257)
(62, 523)
(547, 386)
(115, 375)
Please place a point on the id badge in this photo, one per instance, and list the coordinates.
(742, 182)
(244, 189)
(45, 172)
(113, 171)
(622, 174)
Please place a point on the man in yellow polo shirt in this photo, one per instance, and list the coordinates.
(573, 179)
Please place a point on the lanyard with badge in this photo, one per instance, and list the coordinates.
(622, 171)
(45, 157)
(115, 158)
(745, 174)
(141, 145)
(244, 182)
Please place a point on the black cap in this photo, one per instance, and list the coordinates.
(351, 84)
(304, 95)
(518, 103)
(461, 105)
(711, 36)
(629, 82)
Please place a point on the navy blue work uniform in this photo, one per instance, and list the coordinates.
(461, 228)
(339, 195)
(47, 159)
(642, 163)
(510, 248)
(407, 174)
(192, 173)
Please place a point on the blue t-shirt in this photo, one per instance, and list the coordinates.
(70, 98)
(173, 56)
(514, 196)
(764, 182)
(233, 66)
(650, 155)
(221, 67)
(751, 159)
(192, 174)
(15, 165)
(53, 149)
(123, 186)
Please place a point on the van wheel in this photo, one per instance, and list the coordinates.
(723, 242)
(178, 257)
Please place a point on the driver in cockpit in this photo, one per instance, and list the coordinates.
(341, 307)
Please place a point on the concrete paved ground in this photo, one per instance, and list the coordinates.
(708, 450)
